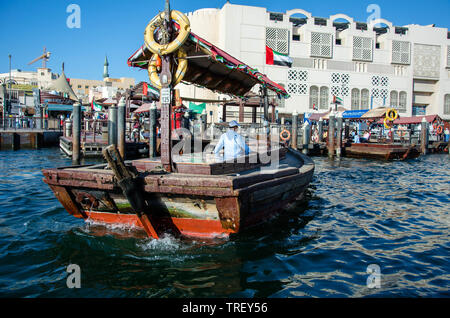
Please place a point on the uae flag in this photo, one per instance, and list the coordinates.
(96, 107)
(337, 100)
(275, 58)
(145, 89)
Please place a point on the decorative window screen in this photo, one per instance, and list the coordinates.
(335, 78)
(362, 48)
(340, 83)
(375, 92)
(296, 82)
(345, 79)
(278, 40)
(297, 89)
(447, 104)
(365, 96)
(380, 81)
(401, 52)
(313, 97)
(336, 90)
(375, 80)
(355, 99)
(321, 44)
(324, 93)
(344, 91)
(402, 102)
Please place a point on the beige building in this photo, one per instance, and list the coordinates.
(44, 78)
(41, 79)
(83, 87)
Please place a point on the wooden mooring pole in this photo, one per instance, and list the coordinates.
(306, 136)
(331, 124)
(339, 136)
(121, 113)
(76, 133)
(424, 137)
(294, 130)
(320, 129)
(112, 125)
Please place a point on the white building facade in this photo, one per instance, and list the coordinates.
(366, 65)
(42, 78)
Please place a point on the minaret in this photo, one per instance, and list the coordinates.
(105, 68)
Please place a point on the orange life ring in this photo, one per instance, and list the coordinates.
(282, 135)
(439, 130)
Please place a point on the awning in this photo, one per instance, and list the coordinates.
(64, 108)
(375, 113)
(416, 120)
(354, 114)
(317, 116)
(143, 108)
(213, 68)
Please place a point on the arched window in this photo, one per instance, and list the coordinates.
(394, 99)
(313, 97)
(402, 102)
(365, 98)
(355, 99)
(324, 92)
(447, 104)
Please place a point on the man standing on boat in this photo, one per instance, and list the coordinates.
(233, 144)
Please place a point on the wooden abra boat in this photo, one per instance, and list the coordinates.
(382, 151)
(204, 200)
(192, 194)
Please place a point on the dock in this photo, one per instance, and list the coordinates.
(15, 139)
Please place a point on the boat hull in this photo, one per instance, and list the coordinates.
(181, 204)
(381, 151)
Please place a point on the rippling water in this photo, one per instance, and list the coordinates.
(392, 214)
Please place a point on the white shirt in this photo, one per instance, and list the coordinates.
(234, 145)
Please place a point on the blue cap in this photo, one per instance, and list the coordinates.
(233, 123)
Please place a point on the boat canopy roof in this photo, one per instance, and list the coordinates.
(213, 68)
(375, 113)
(417, 120)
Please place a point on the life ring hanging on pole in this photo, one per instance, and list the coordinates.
(181, 70)
(282, 137)
(164, 49)
(386, 125)
(391, 114)
(439, 130)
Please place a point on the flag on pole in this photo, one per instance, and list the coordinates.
(145, 89)
(96, 107)
(337, 100)
(275, 58)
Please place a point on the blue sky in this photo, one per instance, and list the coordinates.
(116, 28)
